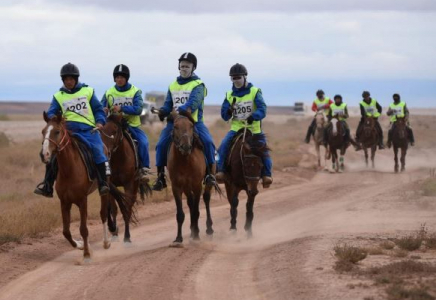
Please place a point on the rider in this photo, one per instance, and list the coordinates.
(321, 103)
(81, 122)
(370, 108)
(126, 98)
(399, 109)
(243, 102)
(339, 110)
(187, 92)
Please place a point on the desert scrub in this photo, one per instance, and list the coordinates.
(348, 256)
(429, 187)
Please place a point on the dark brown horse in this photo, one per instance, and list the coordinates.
(400, 140)
(369, 138)
(336, 141)
(124, 167)
(187, 167)
(72, 183)
(243, 173)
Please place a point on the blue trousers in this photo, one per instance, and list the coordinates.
(163, 144)
(94, 143)
(141, 137)
(224, 149)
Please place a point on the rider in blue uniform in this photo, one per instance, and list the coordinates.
(186, 92)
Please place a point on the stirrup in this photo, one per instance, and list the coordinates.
(210, 180)
(266, 181)
(42, 190)
(159, 185)
(103, 189)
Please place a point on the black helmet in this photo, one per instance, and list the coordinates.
(397, 96)
(365, 94)
(70, 70)
(319, 92)
(188, 56)
(122, 70)
(238, 69)
(337, 97)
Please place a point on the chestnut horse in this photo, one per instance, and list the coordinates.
(243, 173)
(124, 171)
(336, 141)
(318, 138)
(187, 167)
(400, 140)
(72, 183)
(369, 138)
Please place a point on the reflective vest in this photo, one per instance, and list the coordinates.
(76, 107)
(338, 110)
(243, 108)
(320, 104)
(180, 94)
(398, 110)
(117, 98)
(371, 109)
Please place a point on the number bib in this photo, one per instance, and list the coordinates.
(123, 101)
(180, 98)
(77, 105)
(243, 110)
(370, 110)
(338, 112)
(397, 111)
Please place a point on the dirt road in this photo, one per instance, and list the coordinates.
(289, 257)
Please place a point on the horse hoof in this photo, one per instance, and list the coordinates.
(106, 245)
(209, 231)
(326, 169)
(332, 171)
(115, 238)
(176, 245)
(128, 244)
(79, 245)
(87, 260)
(249, 234)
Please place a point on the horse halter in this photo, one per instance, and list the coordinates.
(59, 146)
(177, 141)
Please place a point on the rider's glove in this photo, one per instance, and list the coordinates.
(250, 120)
(161, 114)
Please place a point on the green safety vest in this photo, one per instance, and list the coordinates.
(371, 109)
(117, 98)
(180, 94)
(338, 110)
(398, 110)
(243, 108)
(320, 104)
(76, 107)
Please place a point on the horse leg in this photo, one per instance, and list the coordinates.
(112, 218)
(83, 208)
(206, 199)
(66, 220)
(194, 217)
(373, 150)
(180, 216)
(326, 154)
(396, 158)
(365, 150)
(250, 215)
(341, 162)
(403, 158)
(131, 191)
(104, 209)
(232, 197)
(318, 153)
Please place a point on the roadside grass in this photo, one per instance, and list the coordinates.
(4, 140)
(412, 241)
(429, 187)
(348, 256)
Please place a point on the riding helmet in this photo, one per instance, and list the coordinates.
(337, 97)
(122, 70)
(190, 57)
(70, 70)
(365, 94)
(320, 92)
(396, 96)
(238, 69)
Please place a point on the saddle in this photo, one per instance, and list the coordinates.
(235, 140)
(86, 155)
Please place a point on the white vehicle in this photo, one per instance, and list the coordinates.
(146, 115)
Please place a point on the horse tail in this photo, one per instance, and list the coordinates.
(144, 191)
(218, 189)
(124, 203)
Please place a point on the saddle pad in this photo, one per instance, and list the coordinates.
(87, 159)
(134, 147)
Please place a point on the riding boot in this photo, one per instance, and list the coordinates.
(381, 146)
(103, 171)
(349, 139)
(143, 174)
(411, 136)
(160, 182)
(389, 144)
(310, 131)
(359, 128)
(325, 136)
(209, 179)
(45, 188)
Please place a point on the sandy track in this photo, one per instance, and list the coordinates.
(288, 258)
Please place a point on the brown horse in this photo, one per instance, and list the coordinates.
(124, 171)
(400, 140)
(369, 138)
(72, 183)
(318, 138)
(336, 141)
(243, 173)
(187, 167)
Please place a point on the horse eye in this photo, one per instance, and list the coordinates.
(57, 132)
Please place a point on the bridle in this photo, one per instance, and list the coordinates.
(244, 156)
(62, 144)
(177, 141)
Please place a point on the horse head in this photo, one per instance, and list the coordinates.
(400, 127)
(335, 126)
(320, 120)
(112, 132)
(368, 126)
(183, 131)
(252, 152)
(54, 136)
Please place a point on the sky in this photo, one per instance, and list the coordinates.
(290, 48)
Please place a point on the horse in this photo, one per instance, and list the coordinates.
(72, 183)
(369, 138)
(400, 140)
(187, 167)
(336, 141)
(124, 167)
(318, 138)
(243, 173)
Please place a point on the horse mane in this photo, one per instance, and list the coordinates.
(257, 146)
(187, 114)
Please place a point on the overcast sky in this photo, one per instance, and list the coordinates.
(291, 48)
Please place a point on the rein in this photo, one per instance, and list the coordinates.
(59, 145)
(242, 156)
(177, 141)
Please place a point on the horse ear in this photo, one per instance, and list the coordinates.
(59, 117)
(189, 110)
(44, 114)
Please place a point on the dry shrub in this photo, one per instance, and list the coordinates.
(397, 292)
(430, 241)
(429, 187)
(374, 250)
(403, 268)
(4, 140)
(348, 256)
(4, 117)
(387, 245)
(413, 241)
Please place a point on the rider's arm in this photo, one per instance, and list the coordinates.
(225, 110)
(97, 109)
(104, 101)
(260, 112)
(314, 107)
(136, 108)
(406, 112)
(195, 99)
(346, 112)
(168, 105)
(379, 108)
(54, 108)
(329, 114)
(362, 111)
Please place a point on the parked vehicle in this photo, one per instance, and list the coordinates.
(151, 99)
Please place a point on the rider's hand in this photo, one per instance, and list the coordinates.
(116, 109)
(230, 111)
(99, 126)
(250, 120)
(161, 114)
(106, 110)
(389, 112)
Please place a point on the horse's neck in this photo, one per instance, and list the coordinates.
(68, 160)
